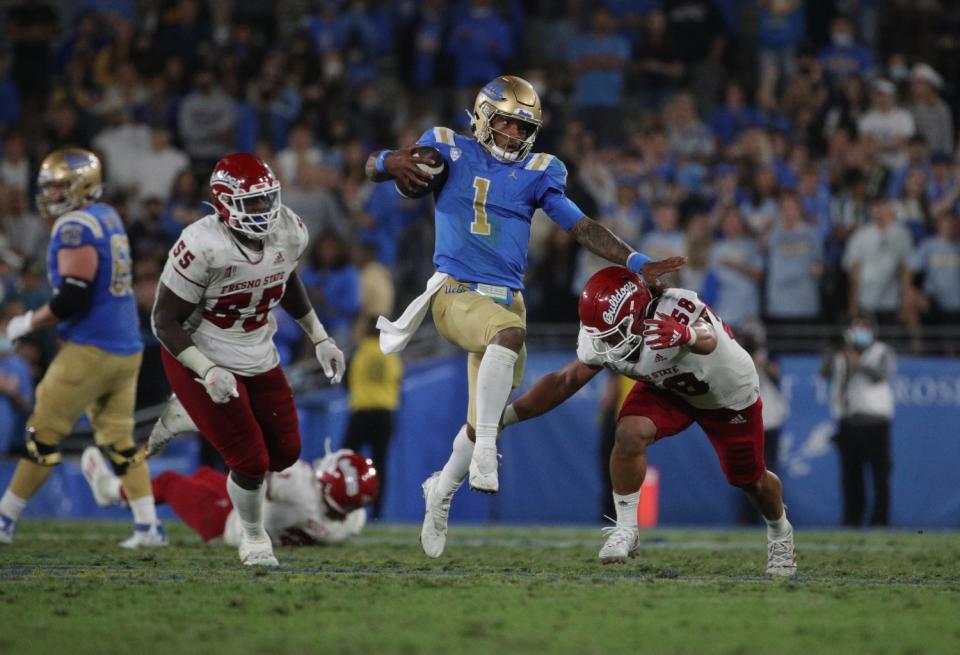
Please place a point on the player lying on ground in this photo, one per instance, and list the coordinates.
(212, 315)
(688, 369)
(96, 369)
(304, 505)
(487, 189)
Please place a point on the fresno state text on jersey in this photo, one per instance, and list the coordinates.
(234, 288)
(724, 379)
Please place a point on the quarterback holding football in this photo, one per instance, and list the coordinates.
(487, 187)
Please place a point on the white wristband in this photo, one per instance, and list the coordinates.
(693, 338)
(195, 360)
(510, 416)
(313, 327)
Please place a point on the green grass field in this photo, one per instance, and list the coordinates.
(65, 588)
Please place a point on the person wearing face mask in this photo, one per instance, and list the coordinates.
(860, 374)
(844, 57)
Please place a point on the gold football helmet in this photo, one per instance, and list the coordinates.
(68, 178)
(510, 97)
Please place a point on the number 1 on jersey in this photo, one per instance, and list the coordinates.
(481, 186)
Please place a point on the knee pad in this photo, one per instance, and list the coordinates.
(42, 453)
(123, 458)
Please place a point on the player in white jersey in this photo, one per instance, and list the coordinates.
(304, 505)
(688, 369)
(212, 315)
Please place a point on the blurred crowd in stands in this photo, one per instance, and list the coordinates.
(802, 155)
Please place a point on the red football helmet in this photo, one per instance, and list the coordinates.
(246, 194)
(612, 307)
(348, 481)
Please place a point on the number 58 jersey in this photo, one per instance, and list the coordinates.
(724, 379)
(234, 289)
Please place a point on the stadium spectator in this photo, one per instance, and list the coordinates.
(874, 260)
(16, 393)
(913, 207)
(183, 207)
(931, 114)
(737, 265)
(377, 293)
(666, 239)
(689, 137)
(123, 145)
(936, 264)
(597, 59)
(206, 120)
(657, 65)
(780, 31)
(889, 124)
(15, 170)
(158, 167)
(844, 57)
(333, 286)
(760, 208)
(862, 401)
(373, 380)
(794, 254)
(698, 31)
(480, 43)
(734, 116)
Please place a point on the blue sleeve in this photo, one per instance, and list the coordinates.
(552, 196)
(72, 234)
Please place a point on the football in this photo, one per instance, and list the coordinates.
(434, 163)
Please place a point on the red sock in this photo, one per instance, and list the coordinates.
(198, 504)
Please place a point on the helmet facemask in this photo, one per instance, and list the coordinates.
(485, 133)
(616, 343)
(254, 213)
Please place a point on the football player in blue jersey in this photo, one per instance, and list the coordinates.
(88, 263)
(486, 193)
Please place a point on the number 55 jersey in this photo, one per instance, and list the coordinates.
(234, 288)
(724, 379)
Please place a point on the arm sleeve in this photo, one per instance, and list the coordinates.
(186, 271)
(551, 196)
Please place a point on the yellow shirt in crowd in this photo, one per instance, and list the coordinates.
(374, 378)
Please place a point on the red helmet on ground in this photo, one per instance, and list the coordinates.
(246, 194)
(348, 481)
(612, 307)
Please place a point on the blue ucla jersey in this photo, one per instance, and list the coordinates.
(484, 209)
(111, 323)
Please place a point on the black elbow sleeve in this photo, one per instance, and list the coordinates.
(73, 298)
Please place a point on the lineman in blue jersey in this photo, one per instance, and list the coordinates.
(493, 186)
(97, 366)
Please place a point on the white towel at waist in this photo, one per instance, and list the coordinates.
(395, 335)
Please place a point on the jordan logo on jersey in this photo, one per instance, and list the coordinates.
(659, 358)
(278, 259)
(229, 271)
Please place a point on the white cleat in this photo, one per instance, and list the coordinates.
(7, 527)
(782, 556)
(433, 534)
(483, 469)
(257, 552)
(622, 544)
(173, 422)
(146, 535)
(98, 473)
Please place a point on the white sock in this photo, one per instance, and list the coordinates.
(778, 528)
(627, 509)
(455, 470)
(249, 506)
(11, 505)
(144, 510)
(494, 384)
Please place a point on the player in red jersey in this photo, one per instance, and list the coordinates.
(304, 505)
(212, 315)
(688, 369)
